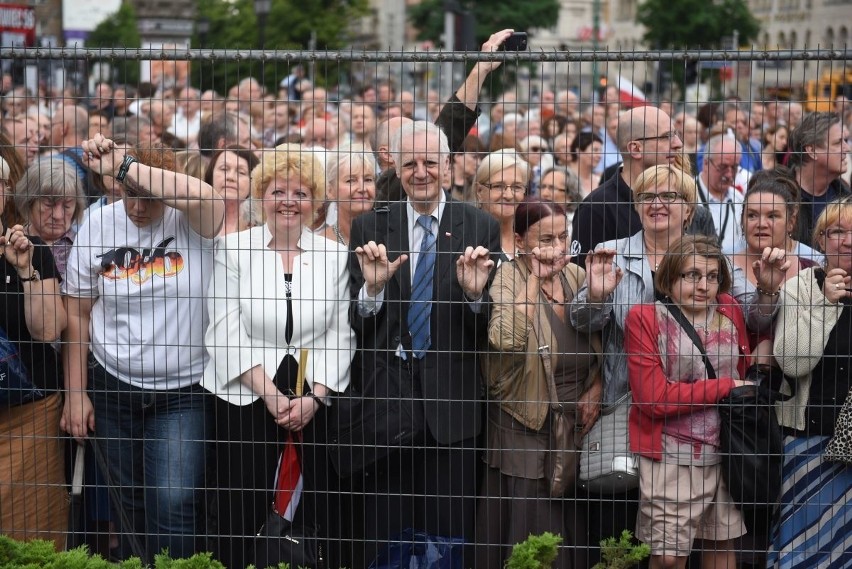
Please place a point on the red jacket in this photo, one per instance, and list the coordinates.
(660, 398)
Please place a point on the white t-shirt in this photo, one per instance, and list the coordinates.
(150, 314)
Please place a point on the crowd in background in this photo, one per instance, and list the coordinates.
(271, 249)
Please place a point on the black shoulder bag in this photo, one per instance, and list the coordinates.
(750, 439)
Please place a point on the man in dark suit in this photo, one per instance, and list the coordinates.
(432, 323)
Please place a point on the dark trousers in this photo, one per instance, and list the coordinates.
(429, 487)
(247, 453)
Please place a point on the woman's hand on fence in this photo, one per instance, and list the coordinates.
(78, 415)
(836, 285)
(771, 269)
(548, 261)
(18, 250)
(602, 276)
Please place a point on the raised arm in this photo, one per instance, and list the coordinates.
(204, 208)
(804, 325)
(469, 91)
(44, 312)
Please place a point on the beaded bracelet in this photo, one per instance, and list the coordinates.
(125, 167)
(767, 293)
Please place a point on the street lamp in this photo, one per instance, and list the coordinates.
(202, 28)
(261, 10)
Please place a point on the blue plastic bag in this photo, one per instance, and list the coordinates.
(419, 550)
(15, 385)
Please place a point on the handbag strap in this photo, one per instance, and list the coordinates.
(544, 352)
(693, 335)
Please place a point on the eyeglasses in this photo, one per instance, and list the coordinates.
(501, 188)
(664, 197)
(551, 188)
(670, 135)
(837, 234)
(722, 168)
(696, 276)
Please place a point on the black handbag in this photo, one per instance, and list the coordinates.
(15, 385)
(281, 541)
(385, 414)
(751, 445)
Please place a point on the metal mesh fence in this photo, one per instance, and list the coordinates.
(373, 305)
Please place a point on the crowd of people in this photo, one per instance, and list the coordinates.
(198, 285)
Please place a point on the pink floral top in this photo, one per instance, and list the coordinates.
(693, 438)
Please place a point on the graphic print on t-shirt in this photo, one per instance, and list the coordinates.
(140, 266)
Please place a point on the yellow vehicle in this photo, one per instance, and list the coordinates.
(820, 94)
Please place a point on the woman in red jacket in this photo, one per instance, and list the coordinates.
(674, 424)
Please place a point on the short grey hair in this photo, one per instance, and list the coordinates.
(500, 160)
(49, 178)
(711, 148)
(572, 181)
(813, 131)
(409, 130)
(348, 154)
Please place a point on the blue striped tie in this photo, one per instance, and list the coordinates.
(420, 307)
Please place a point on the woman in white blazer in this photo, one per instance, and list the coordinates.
(277, 289)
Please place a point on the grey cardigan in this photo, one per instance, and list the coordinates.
(637, 287)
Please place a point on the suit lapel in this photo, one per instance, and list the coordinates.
(450, 239)
(398, 244)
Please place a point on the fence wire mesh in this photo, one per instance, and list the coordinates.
(342, 309)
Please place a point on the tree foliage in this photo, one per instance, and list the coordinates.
(289, 25)
(119, 31)
(520, 15)
(693, 24)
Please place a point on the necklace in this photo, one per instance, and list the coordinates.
(338, 234)
(704, 328)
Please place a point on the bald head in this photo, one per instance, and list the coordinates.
(645, 138)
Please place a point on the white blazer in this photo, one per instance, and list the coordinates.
(248, 312)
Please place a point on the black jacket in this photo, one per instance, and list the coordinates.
(806, 221)
(450, 379)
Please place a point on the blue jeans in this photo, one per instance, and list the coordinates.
(153, 446)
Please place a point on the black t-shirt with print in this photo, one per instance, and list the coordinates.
(41, 359)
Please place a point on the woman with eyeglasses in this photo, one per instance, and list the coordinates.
(620, 275)
(813, 345)
(502, 182)
(586, 154)
(674, 421)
